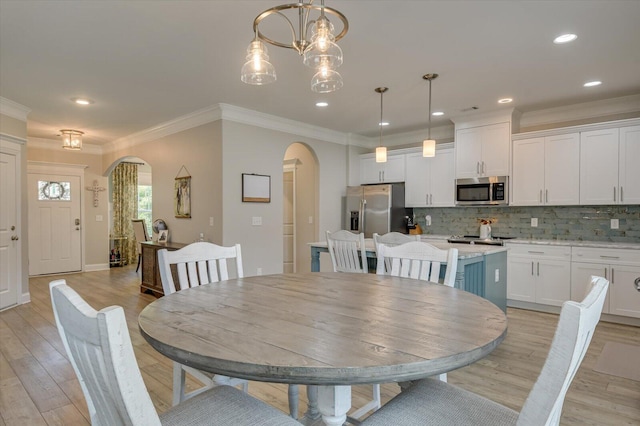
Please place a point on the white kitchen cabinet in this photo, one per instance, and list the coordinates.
(539, 274)
(430, 182)
(620, 267)
(483, 151)
(629, 169)
(546, 171)
(609, 172)
(393, 170)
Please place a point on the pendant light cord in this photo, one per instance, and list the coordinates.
(380, 124)
(429, 136)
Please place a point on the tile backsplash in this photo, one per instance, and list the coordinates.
(581, 223)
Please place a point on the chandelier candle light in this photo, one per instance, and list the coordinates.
(429, 145)
(381, 151)
(314, 40)
(72, 139)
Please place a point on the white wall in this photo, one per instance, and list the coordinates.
(250, 149)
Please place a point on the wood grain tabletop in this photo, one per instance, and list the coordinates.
(324, 328)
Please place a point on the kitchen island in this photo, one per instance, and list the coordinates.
(482, 269)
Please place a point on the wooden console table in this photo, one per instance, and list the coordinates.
(150, 271)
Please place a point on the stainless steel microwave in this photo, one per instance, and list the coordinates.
(492, 190)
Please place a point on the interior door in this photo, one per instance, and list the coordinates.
(8, 232)
(54, 224)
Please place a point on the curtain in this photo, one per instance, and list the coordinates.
(125, 208)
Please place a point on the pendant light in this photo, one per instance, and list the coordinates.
(429, 145)
(381, 151)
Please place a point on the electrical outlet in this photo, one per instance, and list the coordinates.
(534, 222)
(210, 220)
(310, 220)
(427, 220)
(615, 224)
(98, 218)
(497, 275)
(256, 220)
(259, 271)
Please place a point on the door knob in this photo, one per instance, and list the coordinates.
(14, 238)
(637, 283)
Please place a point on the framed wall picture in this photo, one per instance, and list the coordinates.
(256, 188)
(182, 197)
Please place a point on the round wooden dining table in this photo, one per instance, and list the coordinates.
(330, 329)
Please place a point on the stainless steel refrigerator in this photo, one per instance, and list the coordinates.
(376, 208)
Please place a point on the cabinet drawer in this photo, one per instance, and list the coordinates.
(540, 251)
(606, 256)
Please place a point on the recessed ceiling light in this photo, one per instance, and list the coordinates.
(592, 83)
(437, 113)
(565, 38)
(384, 123)
(505, 100)
(82, 101)
(322, 104)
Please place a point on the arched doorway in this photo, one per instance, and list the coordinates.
(300, 209)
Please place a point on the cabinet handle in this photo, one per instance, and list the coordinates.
(614, 194)
(538, 268)
(535, 252)
(483, 168)
(383, 176)
(605, 273)
(426, 199)
(621, 195)
(613, 271)
(531, 268)
(609, 257)
(546, 195)
(477, 167)
(431, 199)
(541, 196)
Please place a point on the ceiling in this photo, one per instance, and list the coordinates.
(147, 62)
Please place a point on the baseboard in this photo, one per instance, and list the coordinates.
(96, 267)
(556, 310)
(25, 298)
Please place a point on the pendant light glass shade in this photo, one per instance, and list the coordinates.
(428, 148)
(381, 154)
(323, 51)
(72, 139)
(429, 145)
(326, 80)
(257, 70)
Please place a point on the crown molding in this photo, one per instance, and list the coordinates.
(4, 137)
(417, 136)
(582, 111)
(510, 115)
(54, 145)
(13, 109)
(272, 122)
(179, 124)
(576, 129)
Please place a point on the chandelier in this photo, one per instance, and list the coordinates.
(312, 36)
(72, 139)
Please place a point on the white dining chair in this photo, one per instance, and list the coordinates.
(347, 251)
(432, 402)
(99, 349)
(348, 254)
(391, 239)
(198, 264)
(140, 232)
(420, 261)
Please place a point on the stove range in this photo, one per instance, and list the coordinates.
(475, 239)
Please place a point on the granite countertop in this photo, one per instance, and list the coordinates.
(465, 251)
(576, 243)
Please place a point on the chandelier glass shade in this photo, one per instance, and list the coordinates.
(71, 139)
(381, 151)
(429, 145)
(312, 36)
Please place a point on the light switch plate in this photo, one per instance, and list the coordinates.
(256, 220)
(210, 220)
(98, 218)
(615, 224)
(534, 222)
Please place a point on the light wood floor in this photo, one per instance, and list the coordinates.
(38, 385)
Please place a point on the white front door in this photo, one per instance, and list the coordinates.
(8, 232)
(54, 224)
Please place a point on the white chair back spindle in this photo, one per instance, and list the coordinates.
(417, 260)
(392, 239)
